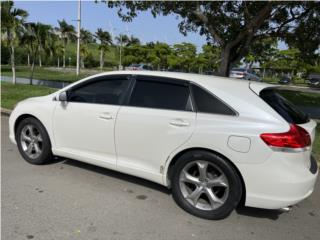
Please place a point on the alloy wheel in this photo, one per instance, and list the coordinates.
(31, 141)
(204, 185)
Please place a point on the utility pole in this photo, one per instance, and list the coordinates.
(78, 37)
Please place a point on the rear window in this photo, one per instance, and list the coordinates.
(284, 107)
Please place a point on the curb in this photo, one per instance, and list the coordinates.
(6, 111)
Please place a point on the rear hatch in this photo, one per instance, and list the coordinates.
(287, 110)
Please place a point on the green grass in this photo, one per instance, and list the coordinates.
(316, 144)
(275, 80)
(11, 94)
(44, 73)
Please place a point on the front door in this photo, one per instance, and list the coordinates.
(84, 125)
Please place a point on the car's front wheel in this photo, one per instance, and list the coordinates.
(206, 185)
(33, 141)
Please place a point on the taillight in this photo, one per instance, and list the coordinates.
(296, 137)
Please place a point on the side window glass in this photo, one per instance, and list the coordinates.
(208, 103)
(161, 95)
(102, 91)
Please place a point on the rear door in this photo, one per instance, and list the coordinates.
(157, 119)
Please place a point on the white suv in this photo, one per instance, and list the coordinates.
(214, 141)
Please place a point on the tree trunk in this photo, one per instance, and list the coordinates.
(40, 62)
(13, 66)
(64, 60)
(64, 53)
(28, 59)
(82, 63)
(32, 71)
(224, 67)
(58, 62)
(101, 59)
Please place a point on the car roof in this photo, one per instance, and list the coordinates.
(193, 77)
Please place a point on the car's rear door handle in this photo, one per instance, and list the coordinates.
(179, 123)
(106, 116)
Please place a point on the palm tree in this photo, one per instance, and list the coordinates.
(59, 52)
(43, 36)
(11, 23)
(30, 40)
(105, 40)
(133, 41)
(86, 37)
(52, 44)
(67, 33)
(123, 39)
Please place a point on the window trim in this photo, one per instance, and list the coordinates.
(236, 114)
(152, 78)
(102, 78)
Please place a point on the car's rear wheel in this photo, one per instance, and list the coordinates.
(206, 185)
(33, 141)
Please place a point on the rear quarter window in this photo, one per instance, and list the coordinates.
(282, 106)
(205, 102)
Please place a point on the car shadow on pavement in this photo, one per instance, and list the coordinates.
(241, 210)
(259, 213)
(118, 175)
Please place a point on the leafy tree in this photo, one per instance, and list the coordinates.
(306, 38)
(211, 56)
(105, 40)
(231, 25)
(183, 56)
(261, 52)
(67, 33)
(11, 26)
(158, 55)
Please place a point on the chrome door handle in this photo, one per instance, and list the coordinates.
(179, 123)
(106, 116)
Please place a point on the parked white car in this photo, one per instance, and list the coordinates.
(215, 141)
(243, 73)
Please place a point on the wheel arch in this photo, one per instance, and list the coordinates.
(179, 154)
(24, 116)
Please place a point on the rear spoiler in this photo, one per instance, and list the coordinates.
(257, 87)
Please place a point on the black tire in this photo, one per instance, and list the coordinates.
(46, 153)
(234, 191)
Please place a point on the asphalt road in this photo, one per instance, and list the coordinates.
(72, 200)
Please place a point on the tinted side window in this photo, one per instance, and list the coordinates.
(100, 91)
(207, 103)
(282, 106)
(162, 95)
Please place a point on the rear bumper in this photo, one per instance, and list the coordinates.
(282, 182)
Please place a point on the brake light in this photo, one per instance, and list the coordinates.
(296, 137)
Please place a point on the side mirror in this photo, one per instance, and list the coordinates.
(62, 97)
